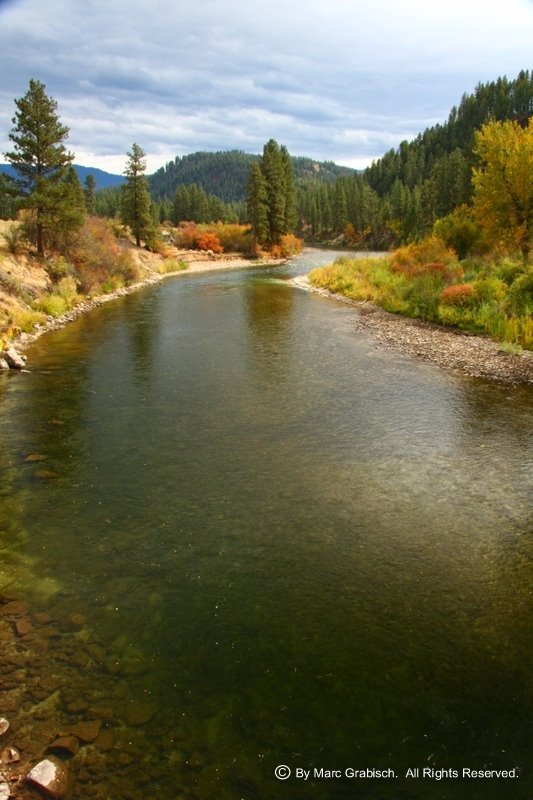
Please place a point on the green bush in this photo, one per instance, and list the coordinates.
(53, 305)
(15, 239)
(520, 295)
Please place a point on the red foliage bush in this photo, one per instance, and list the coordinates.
(460, 294)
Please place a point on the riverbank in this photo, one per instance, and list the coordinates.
(196, 263)
(476, 356)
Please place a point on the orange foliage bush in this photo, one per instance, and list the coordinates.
(461, 294)
(289, 245)
(208, 241)
(185, 235)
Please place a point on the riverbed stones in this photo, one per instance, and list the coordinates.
(65, 744)
(9, 755)
(4, 725)
(23, 626)
(15, 608)
(87, 731)
(141, 712)
(34, 458)
(50, 776)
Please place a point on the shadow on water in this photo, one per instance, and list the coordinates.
(283, 545)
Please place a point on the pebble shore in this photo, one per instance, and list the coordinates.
(476, 356)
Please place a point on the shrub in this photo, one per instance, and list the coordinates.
(53, 305)
(233, 237)
(460, 294)
(172, 265)
(67, 289)
(489, 289)
(97, 256)
(446, 273)
(208, 241)
(26, 320)
(520, 295)
(290, 245)
(185, 235)
(510, 269)
(460, 231)
(14, 238)
(429, 250)
(59, 268)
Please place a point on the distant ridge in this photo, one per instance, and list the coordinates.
(225, 174)
(104, 180)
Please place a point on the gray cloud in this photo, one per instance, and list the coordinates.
(333, 79)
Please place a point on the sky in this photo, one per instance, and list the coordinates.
(335, 80)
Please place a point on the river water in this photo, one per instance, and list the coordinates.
(289, 547)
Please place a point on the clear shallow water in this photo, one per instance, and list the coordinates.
(299, 548)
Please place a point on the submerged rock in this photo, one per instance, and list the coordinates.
(9, 755)
(87, 731)
(51, 776)
(65, 744)
(139, 713)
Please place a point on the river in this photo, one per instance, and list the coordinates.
(288, 546)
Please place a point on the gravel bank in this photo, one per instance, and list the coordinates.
(477, 356)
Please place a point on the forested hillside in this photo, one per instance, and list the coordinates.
(225, 174)
(401, 195)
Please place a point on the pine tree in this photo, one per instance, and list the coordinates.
(291, 213)
(257, 205)
(272, 168)
(40, 158)
(89, 192)
(66, 213)
(136, 201)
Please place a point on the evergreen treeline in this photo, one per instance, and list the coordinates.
(400, 196)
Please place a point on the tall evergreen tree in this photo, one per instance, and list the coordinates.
(291, 213)
(40, 158)
(273, 170)
(257, 205)
(136, 201)
(89, 191)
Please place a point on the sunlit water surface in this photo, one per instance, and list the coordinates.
(301, 548)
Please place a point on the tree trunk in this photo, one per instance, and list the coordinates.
(40, 239)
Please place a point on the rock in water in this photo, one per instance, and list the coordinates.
(5, 793)
(9, 755)
(4, 725)
(14, 359)
(50, 776)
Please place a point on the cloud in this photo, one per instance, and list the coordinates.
(334, 79)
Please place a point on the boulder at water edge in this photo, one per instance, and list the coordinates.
(14, 359)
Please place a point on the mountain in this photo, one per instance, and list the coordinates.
(225, 174)
(103, 179)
